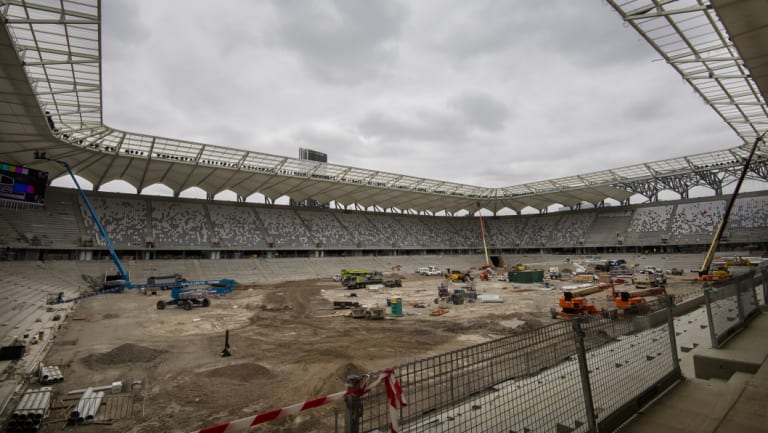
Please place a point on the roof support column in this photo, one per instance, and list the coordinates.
(711, 180)
(648, 188)
(680, 184)
(760, 169)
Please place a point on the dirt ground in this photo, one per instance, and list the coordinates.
(287, 343)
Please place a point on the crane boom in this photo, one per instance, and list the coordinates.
(112, 252)
(704, 270)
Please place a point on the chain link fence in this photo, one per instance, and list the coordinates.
(731, 306)
(571, 376)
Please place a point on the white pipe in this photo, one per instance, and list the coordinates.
(95, 405)
(86, 409)
(79, 408)
(33, 404)
(23, 403)
(43, 406)
(96, 388)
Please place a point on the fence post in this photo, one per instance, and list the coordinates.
(740, 301)
(753, 292)
(672, 337)
(581, 353)
(708, 303)
(353, 404)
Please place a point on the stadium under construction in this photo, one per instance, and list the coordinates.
(87, 345)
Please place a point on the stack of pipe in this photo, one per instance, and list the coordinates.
(29, 413)
(50, 374)
(87, 406)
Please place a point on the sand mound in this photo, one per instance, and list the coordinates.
(348, 369)
(123, 354)
(240, 372)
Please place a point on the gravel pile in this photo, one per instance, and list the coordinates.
(124, 354)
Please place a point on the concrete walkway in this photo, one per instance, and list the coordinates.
(734, 398)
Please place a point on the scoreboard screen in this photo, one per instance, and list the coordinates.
(22, 184)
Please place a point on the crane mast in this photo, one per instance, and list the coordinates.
(704, 270)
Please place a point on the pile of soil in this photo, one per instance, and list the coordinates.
(124, 354)
(245, 372)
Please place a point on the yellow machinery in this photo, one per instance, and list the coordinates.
(720, 271)
(460, 276)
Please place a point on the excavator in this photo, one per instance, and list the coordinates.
(705, 273)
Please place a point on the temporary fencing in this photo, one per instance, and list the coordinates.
(589, 374)
(392, 390)
(731, 305)
(577, 376)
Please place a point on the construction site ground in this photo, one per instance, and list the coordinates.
(287, 342)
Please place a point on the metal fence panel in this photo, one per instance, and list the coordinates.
(722, 313)
(747, 299)
(730, 307)
(583, 376)
(631, 368)
(526, 381)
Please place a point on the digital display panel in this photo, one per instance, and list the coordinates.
(22, 184)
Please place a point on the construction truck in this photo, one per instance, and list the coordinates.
(429, 271)
(649, 277)
(393, 283)
(359, 279)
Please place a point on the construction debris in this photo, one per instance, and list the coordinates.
(31, 410)
(50, 374)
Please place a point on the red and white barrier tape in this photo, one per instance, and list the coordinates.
(394, 393)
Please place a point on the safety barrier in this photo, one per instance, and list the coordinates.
(731, 306)
(585, 375)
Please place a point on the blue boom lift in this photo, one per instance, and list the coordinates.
(183, 293)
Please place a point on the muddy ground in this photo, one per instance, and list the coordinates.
(287, 343)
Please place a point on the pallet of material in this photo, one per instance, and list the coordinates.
(345, 305)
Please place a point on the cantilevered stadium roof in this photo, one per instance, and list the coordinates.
(50, 100)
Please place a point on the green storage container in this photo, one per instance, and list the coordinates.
(525, 276)
(396, 304)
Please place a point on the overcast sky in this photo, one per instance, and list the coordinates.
(487, 93)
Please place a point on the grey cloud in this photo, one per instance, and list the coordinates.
(342, 41)
(482, 109)
(420, 125)
(453, 122)
(126, 28)
(566, 30)
(493, 27)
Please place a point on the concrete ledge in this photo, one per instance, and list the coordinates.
(748, 413)
(746, 353)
